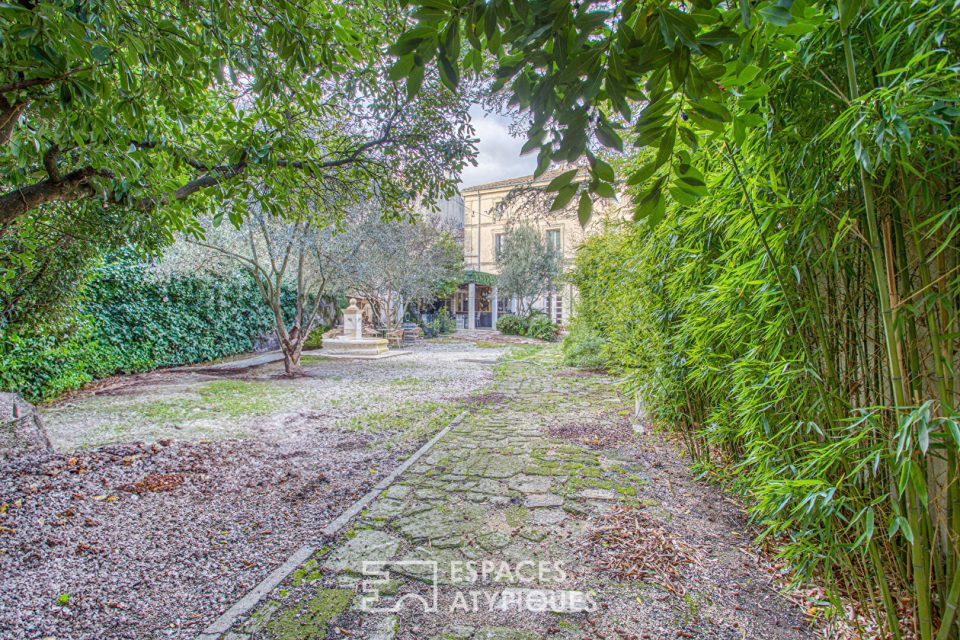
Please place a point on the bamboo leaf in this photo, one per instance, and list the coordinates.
(776, 15)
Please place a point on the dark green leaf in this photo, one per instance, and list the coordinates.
(562, 180)
(609, 138)
(666, 146)
(401, 68)
(584, 209)
(564, 196)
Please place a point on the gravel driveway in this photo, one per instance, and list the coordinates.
(172, 493)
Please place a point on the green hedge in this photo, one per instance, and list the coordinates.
(129, 320)
(584, 347)
(512, 325)
(534, 325)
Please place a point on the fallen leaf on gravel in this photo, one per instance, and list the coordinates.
(630, 544)
(158, 482)
(597, 435)
(7, 530)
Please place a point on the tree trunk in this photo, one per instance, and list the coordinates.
(291, 360)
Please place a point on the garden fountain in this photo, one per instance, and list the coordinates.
(351, 341)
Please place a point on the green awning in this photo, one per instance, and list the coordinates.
(480, 277)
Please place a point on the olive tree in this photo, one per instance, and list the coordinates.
(398, 262)
(529, 265)
(281, 255)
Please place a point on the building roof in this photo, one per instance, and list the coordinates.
(513, 182)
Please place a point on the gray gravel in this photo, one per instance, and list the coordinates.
(89, 550)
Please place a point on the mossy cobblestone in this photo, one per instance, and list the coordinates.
(495, 489)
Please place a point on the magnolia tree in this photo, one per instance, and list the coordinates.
(529, 265)
(131, 123)
(400, 262)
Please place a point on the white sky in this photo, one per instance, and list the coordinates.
(499, 157)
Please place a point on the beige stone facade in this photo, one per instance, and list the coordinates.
(489, 209)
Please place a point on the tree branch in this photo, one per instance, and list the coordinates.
(9, 112)
(76, 185)
(73, 186)
(50, 163)
(27, 84)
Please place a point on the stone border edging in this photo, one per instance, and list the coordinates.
(226, 620)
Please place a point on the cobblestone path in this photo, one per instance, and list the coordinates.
(495, 534)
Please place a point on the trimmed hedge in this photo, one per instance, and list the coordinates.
(129, 320)
(534, 325)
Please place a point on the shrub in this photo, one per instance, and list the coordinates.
(583, 348)
(442, 323)
(315, 339)
(535, 325)
(540, 327)
(446, 323)
(512, 325)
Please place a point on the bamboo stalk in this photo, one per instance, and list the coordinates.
(881, 259)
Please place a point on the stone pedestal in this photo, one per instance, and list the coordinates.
(353, 321)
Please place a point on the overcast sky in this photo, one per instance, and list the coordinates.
(499, 157)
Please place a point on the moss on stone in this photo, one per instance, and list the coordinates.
(309, 622)
(517, 516)
(626, 489)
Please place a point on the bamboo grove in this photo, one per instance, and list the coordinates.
(798, 326)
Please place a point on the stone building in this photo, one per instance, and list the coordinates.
(489, 209)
